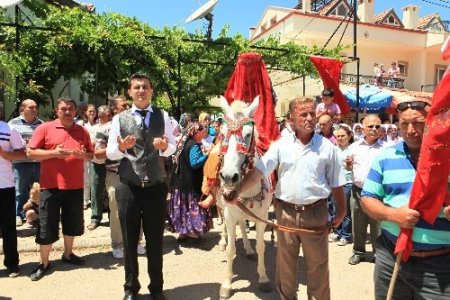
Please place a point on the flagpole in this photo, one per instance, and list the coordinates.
(390, 293)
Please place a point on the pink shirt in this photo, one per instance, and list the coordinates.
(64, 174)
(333, 107)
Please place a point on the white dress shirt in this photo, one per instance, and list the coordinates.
(112, 149)
(306, 173)
(362, 154)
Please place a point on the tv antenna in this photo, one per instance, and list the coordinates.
(205, 11)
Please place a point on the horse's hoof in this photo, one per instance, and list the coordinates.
(252, 257)
(264, 287)
(225, 293)
(222, 247)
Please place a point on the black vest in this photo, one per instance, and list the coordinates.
(142, 162)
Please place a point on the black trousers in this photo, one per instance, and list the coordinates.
(136, 204)
(8, 226)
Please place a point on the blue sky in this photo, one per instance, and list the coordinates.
(239, 14)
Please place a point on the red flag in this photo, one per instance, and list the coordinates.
(330, 71)
(250, 79)
(429, 189)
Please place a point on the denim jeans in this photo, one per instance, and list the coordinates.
(418, 278)
(345, 229)
(25, 174)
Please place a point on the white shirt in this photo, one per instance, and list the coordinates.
(306, 173)
(363, 155)
(10, 140)
(112, 150)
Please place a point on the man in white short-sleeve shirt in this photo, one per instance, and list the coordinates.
(11, 148)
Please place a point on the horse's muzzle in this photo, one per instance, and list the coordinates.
(229, 194)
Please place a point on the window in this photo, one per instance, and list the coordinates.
(341, 10)
(403, 66)
(273, 21)
(391, 21)
(263, 28)
(439, 73)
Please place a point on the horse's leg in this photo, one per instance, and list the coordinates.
(263, 283)
(225, 288)
(223, 238)
(223, 232)
(249, 253)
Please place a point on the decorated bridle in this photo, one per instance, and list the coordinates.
(235, 128)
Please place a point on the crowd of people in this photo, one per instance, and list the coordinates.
(151, 168)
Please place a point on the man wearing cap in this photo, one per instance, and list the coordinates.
(385, 197)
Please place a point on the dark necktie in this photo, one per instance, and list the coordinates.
(143, 114)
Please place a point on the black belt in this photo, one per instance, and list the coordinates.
(301, 207)
(421, 253)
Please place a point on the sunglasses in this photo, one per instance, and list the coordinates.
(373, 126)
(415, 105)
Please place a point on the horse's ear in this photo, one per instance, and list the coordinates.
(224, 105)
(252, 107)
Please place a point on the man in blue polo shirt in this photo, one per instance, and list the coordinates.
(385, 197)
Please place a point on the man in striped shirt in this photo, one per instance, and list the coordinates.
(26, 171)
(385, 197)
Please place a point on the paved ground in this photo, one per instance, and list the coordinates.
(192, 270)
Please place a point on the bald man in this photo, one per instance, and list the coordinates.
(361, 155)
(26, 171)
(326, 127)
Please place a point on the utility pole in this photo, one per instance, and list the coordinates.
(355, 54)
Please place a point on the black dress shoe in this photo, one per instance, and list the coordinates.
(158, 296)
(129, 295)
(73, 259)
(39, 272)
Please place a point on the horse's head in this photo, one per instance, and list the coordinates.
(238, 140)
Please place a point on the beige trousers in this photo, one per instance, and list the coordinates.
(315, 252)
(112, 180)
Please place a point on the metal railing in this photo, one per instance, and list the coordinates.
(397, 83)
(428, 88)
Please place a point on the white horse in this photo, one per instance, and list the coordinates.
(238, 146)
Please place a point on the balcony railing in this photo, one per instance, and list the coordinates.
(396, 83)
(428, 88)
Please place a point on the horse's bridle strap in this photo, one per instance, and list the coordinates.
(282, 227)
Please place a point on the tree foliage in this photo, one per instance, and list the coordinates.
(102, 50)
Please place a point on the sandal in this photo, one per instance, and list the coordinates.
(93, 225)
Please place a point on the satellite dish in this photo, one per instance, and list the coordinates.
(7, 3)
(203, 12)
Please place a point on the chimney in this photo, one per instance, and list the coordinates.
(366, 10)
(410, 16)
(306, 5)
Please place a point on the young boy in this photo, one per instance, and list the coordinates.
(327, 106)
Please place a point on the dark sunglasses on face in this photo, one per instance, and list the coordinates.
(374, 126)
(415, 105)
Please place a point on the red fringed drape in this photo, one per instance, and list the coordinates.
(250, 79)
